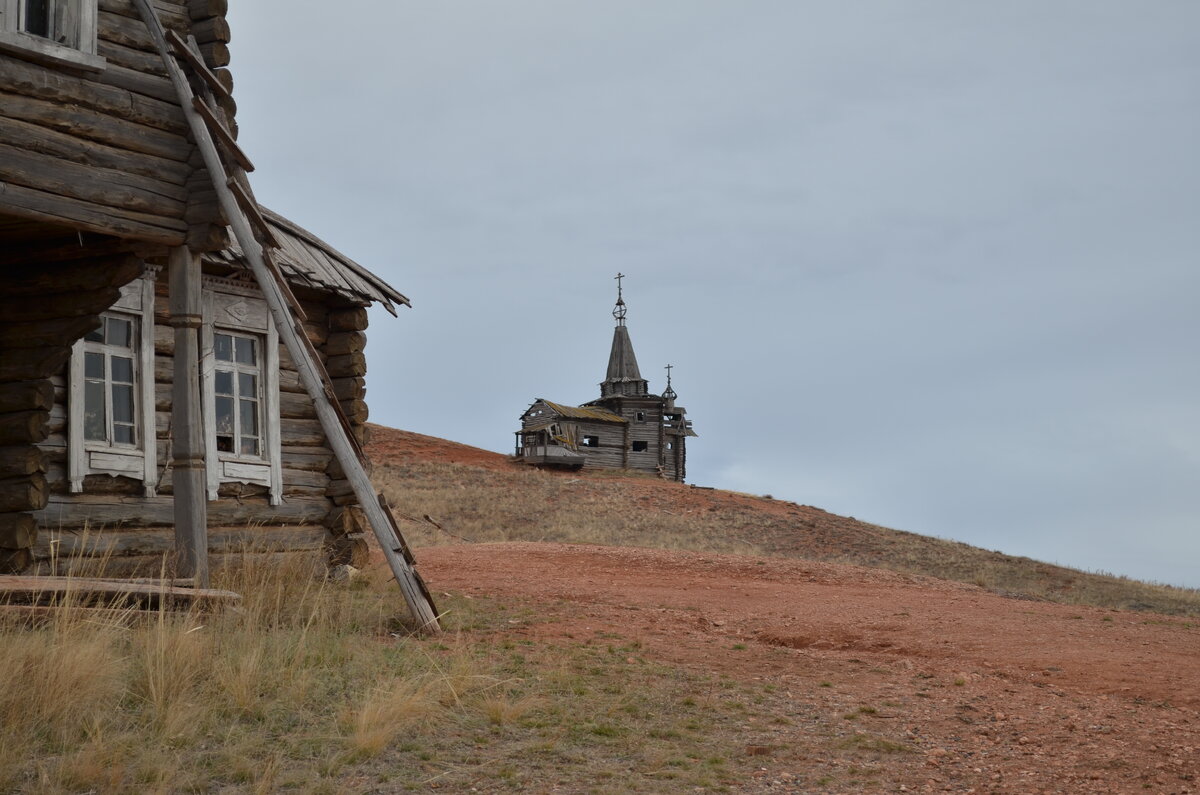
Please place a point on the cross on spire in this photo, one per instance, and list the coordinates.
(619, 309)
(669, 393)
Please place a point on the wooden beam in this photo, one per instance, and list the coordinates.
(199, 67)
(217, 128)
(89, 589)
(188, 476)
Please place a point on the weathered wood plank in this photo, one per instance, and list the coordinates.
(129, 511)
(40, 205)
(28, 80)
(34, 138)
(155, 541)
(104, 186)
(90, 589)
(96, 125)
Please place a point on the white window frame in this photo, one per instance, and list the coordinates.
(232, 308)
(80, 54)
(86, 457)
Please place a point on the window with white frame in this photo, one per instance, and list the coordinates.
(110, 403)
(240, 381)
(61, 30)
(109, 384)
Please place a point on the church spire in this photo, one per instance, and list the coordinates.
(623, 377)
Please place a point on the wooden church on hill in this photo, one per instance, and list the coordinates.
(627, 428)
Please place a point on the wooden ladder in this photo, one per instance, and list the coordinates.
(255, 236)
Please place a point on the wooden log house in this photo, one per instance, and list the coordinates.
(626, 428)
(139, 367)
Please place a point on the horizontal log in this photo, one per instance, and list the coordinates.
(173, 15)
(352, 388)
(356, 411)
(348, 319)
(128, 31)
(24, 493)
(211, 29)
(302, 461)
(346, 520)
(301, 433)
(208, 236)
(32, 363)
(45, 333)
(344, 342)
(112, 511)
(29, 80)
(17, 530)
(36, 395)
(302, 477)
(42, 206)
(58, 305)
(199, 9)
(339, 488)
(225, 78)
(130, 58)
(23, 427)
(104, 186)
(157, 86)
(157, 541)
(216, 55)
(114, 129)
(67, 276)
(296, 405)
(347, 365)
(34, 138)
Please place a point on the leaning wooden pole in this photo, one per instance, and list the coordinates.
(339, 441)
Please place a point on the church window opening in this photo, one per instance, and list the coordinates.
(641, 446)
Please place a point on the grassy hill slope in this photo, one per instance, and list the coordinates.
(446, 492)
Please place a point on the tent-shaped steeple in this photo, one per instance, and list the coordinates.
(623, 377)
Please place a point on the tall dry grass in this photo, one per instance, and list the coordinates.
(304, 678)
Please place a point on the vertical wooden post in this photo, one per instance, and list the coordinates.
(188, 477)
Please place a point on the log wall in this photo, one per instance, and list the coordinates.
(106, 149)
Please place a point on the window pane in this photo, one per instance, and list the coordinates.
(122, 403)
(223, 384)
(249, 445)
(225, 444)
(37, 17)
(94, 421)
(122, 370)
(250, 417)
(93, 365)
(224, 406)
(95, 336)
(120, 332)
(247, 385)
(223, 347)
(123, 434)
(245, 350)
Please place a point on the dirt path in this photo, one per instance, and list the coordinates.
(930, 685)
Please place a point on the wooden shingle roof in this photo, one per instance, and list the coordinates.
(308, 261)
(583, 413)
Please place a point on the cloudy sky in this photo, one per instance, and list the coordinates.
(929, 264)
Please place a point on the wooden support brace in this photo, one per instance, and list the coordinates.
(199, 67)
(217, 128)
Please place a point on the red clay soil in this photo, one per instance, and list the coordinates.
(925, 685)
(991, 694)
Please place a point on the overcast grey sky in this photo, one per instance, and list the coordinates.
(929, 264)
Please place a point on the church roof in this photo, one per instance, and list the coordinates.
(622, 363)
(582, 413)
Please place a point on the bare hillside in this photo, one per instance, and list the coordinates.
(476, 495)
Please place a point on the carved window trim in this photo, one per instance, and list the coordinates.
(241, 312)
(89, 457)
